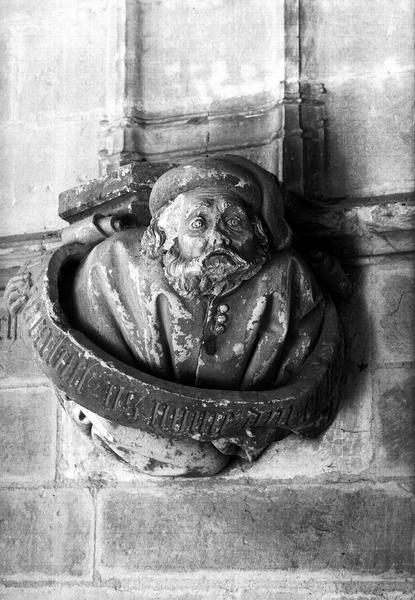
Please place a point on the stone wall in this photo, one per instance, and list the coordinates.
(59, 84)
(328, 519)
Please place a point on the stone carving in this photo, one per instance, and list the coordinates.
(202, 336)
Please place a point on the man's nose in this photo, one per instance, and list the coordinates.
(218, 237)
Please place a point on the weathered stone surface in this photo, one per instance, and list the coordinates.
(101, 593)
(80, 461)
(83, 76)
(392, 301)
(27, 435)
(16, 252)
(342, 40)
(364, 56)
(178, 71)
(197, 134)
(17, 364)
(226, 586)
(346, 448)
(267, 155)
(26, 10)
(241, 527)
(395, 407)
(129, 183)
(354, 137)
(184, 101)
(308, 594)
(365, 227)
(5, 79)
(265, 593)
(46, 533)
(54, 111)
(55, 155)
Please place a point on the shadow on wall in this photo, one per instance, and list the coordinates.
(377, 414)
(345, 450)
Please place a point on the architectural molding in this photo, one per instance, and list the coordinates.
(292, 168)
(173, 136)
(358, 227)
(352, 230)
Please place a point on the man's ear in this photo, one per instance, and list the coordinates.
(259, 231)
(153, 240)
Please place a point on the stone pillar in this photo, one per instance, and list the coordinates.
(200, 78)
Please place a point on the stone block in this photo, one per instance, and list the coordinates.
(81, 462)
(347, 39)
(17, 365)
(204, 56)
(370, 148)
(395, 423)
(181, 138)
(268, 155)
(100, 593)
(46, 534)
(26, 10)
(27, 435)
(6, 88)
(392, 302)
(190, 526)
(84, 40)
(39, 161)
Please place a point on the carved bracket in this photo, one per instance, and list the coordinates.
(117, 392)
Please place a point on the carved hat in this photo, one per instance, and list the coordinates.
(258, 188)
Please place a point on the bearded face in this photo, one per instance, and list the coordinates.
(207, 241)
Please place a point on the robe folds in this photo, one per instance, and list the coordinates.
(255, 337)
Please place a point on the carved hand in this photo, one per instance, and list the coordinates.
(17, 292)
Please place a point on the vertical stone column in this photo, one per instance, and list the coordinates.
(293, 142)
(200, 78)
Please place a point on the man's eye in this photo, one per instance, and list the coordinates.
(197, 223)
(234, 222)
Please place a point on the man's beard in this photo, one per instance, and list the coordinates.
(218, 271)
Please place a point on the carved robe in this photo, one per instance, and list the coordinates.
(123, 302)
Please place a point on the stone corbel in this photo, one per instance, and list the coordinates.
(158, 426)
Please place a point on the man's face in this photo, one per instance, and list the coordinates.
(214, 224)
(209, 241)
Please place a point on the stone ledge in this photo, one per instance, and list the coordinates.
(160, 138)
(226, 585)
(371, 227)
(380, 225)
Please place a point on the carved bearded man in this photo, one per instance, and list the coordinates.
(211, 295)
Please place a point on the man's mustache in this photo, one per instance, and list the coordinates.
(221, 257)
